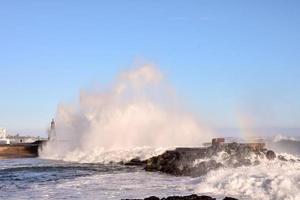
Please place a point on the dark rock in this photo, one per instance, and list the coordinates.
(232, 147)
(170, 162)
(203, 168)
(229, 198)
(270, 155)
(191, 197)
(135, 162)
(181, 161)
(282, 158)
(152, 198)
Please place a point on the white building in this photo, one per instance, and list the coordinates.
(3, 136)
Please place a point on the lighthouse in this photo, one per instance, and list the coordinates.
(52, 131)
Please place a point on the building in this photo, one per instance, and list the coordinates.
(52, 131)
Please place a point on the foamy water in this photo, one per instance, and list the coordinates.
(100, 155)
(268, 180)
(25, 179)
(264, 179)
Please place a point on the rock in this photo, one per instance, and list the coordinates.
(190, 197)
(152, 198)
(270, 155)
(169, 162)
(204, 167)
(135, 162)
(181, 161)
(229, 198)
(282, 158)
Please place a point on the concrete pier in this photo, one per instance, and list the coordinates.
(22, 150)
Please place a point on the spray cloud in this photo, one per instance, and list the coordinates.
(138, 110)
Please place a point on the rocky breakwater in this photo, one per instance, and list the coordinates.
(199, 161)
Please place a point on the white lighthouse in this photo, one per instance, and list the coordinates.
(52, 131)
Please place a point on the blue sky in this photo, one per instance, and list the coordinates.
(226, 58)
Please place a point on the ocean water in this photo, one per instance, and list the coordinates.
(97, 176)
(48, 179)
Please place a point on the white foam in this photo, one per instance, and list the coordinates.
(137, 110)
(269, 180)
(100, 155)
(227, 160)
(280, 137)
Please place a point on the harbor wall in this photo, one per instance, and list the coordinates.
(26, 150)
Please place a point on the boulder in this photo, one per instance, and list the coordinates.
(191, 197)
(152, 198)
(270, 155)
(135, 162)
(229, 198)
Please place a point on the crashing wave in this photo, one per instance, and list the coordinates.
(267, 181)
(101, 155)
(285, 144)
(280, 137)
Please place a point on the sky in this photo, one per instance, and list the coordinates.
(229, 60)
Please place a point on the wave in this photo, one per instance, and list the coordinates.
(101, 155)
(285, 144)
(139, 109)
(269, 180)
(280, 137)
(265, 180)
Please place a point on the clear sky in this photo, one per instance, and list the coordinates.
(226, 58)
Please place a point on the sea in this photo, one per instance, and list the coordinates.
(46, 178)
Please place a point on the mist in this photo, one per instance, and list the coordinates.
(139, 109)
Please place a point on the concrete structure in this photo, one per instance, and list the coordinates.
(255, 144)
(22, 146)
(217, 141)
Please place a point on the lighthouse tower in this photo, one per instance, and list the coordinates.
(52, 131)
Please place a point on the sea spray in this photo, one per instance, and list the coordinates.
(139, 110)
(267, 181)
